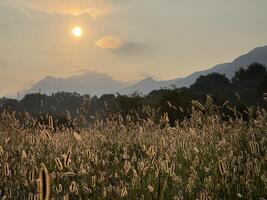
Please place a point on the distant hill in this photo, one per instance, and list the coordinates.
(258, 55)
(144, 86)
(92, 83)
(95, 83)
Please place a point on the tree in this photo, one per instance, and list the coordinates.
(211, 82)
(250, 83)
(214, 84)
(253, 74)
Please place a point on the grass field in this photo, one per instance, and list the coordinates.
(202, 158)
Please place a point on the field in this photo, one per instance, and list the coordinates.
(202, 158)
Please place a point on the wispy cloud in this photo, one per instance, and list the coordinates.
(23, 10)
(134, 48)
(93, 8)
(109, 42)
(123, 47)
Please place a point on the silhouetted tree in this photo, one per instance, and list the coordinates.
(250, 83)
(216, 85)
(244, 89)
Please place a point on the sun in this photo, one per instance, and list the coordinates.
(77, 31)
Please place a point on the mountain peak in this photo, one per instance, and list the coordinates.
(92, 83)
(148, 79)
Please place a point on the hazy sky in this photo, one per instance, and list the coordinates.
(127, 39)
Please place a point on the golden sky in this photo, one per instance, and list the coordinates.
(127, 39)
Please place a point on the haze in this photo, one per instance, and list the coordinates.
(128, 40)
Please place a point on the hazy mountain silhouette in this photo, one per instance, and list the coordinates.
(92, 83)
(95, 83)
(258, 55)
(144, 86)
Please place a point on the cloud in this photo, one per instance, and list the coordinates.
(93, 8)
(24, 11)
(109, 42)
(133, 48)
(123, 47)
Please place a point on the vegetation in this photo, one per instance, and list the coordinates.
(244, 90)
(171, 144)
(203, 157)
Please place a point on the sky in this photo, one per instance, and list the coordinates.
(126, 39)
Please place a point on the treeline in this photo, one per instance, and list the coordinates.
(233, 96)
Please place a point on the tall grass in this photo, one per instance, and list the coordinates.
(204, 157)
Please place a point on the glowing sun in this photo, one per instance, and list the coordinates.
(77, 31)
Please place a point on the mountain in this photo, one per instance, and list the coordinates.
(95, 83)
(144, 86)
(92, 83)
(258, 55)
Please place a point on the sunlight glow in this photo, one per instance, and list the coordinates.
(77, 31)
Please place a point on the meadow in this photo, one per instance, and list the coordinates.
(203, 157)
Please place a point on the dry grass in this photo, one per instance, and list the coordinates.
(201, 158)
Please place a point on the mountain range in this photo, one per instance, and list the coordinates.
(258, 55)
(95, 83)
(88, 83)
